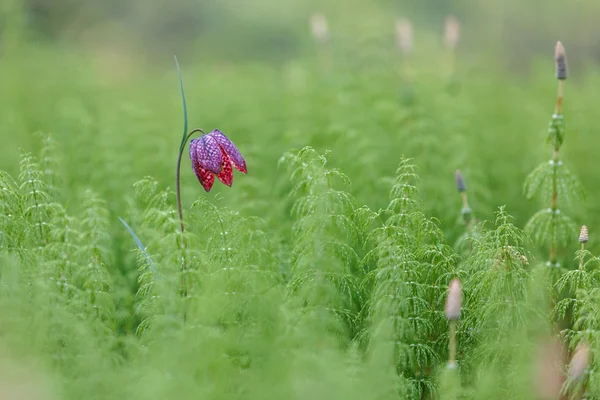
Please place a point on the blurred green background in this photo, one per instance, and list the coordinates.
(275, 31)
(99, 77)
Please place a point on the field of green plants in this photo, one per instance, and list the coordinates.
(373, 180)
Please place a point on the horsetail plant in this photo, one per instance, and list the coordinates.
(161, 295)
(461, 187)
(580, 306)
(50, 163)
(36, 198)
(550, 227)
(463, 243)
(577, 281)
(452, 311)
(412, 265)
(586, 329)
(95, 279)
(324, 262)
(498, 311)
(450, 384)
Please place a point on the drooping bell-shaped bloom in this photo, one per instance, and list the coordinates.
(230, 150)
(214, 154)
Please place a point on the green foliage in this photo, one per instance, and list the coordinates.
(498, 284)
(325, 265)
(411, 265)
(586, 329)
(559, 187)
(321, 274)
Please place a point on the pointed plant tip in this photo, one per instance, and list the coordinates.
(460, 181)
(583, 234)
(184, 103)
(454, 300)
(560, 60)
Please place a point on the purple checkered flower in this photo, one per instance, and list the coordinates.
(214, 154)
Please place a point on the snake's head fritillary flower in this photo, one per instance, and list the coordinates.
(229, 149)
(214, 154)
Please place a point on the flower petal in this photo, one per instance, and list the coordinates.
(195, 166)
(206, 178)
(226, 174)
(207, 153)
(232, 151)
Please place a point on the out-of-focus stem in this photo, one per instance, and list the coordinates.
(178, 189)
(452, 344)
(559, 97)
(183, 244)
(465, 204)
(178, 175)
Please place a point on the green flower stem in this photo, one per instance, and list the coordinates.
(183, 244)
(452, 344)
(178, 174)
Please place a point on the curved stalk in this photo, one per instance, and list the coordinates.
(185, 137)
(178, 174)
